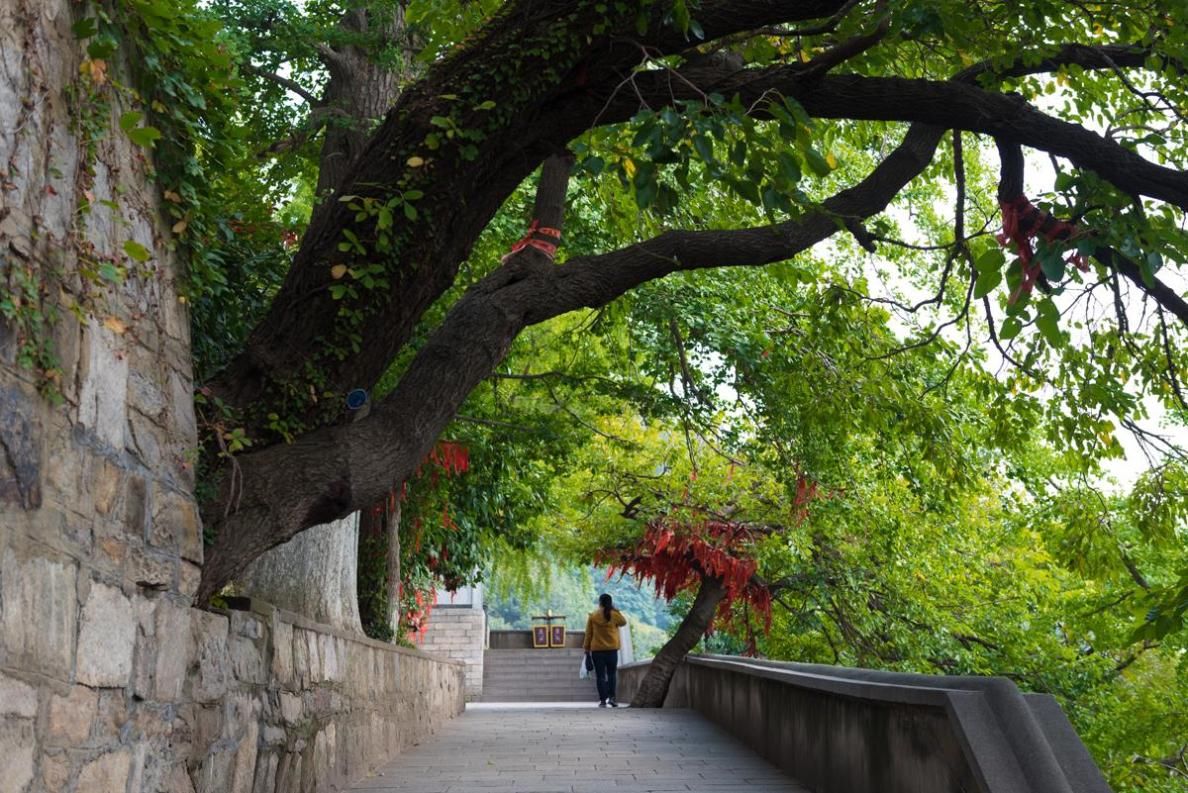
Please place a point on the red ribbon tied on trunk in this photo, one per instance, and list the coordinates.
(532, 238)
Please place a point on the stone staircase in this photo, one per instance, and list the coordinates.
(526, 675)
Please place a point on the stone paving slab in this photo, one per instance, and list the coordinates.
(544, 748)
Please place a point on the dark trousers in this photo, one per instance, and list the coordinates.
(606, 667)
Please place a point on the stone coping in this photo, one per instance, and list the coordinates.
(266, 610)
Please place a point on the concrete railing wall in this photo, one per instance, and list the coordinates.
(841, 730)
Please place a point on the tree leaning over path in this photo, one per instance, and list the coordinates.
(537, 76)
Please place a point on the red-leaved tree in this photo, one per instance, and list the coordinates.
(693, 550)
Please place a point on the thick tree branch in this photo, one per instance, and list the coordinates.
(299, 331)
(953, 104)
(1011, 184)
(338, 469)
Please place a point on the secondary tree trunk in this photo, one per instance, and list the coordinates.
(654, 687)
(393, 528)
(359, 92)
(361, 89)
(313, 574)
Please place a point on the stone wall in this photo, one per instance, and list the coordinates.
(283, 704)
(243, 701)
(459, 633)
(109, 680)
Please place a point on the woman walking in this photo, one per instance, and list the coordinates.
(602, 646)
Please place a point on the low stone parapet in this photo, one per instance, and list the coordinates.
(166, 698)
(842, 730)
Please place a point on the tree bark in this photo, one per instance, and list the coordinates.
(654, 688)
(359, 92)
(394, 584)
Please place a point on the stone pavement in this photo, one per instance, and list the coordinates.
(542, 748)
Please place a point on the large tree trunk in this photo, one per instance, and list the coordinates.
(312, 574)
(360, 91)
(654, 687)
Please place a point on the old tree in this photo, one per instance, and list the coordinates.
(344, 177)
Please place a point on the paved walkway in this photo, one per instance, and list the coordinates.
(497, 748)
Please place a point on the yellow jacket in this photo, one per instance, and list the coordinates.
(601, 634)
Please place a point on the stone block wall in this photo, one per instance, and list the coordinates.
(287, 705)
(459, 633)
(257, 701)
(109, 681)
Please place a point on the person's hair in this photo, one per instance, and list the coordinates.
(607, 604)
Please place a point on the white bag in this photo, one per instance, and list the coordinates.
(583, 673)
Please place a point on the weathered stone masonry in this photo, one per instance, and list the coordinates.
(109, 680)
(460, 633)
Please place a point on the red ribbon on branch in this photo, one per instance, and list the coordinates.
(531, 239)
(1022, 222)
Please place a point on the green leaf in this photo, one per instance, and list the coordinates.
(738, 155)
(111, 273)
(1052, 263)
(789, 167)
(1010, 328)
(144, 136)
(137, 251)
(130, 119)
(986, 283)
(818, 164)
(645, 193)
(680, 15)
(990, 259)
(102, 47)
(1048, 322)
(85, 28)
